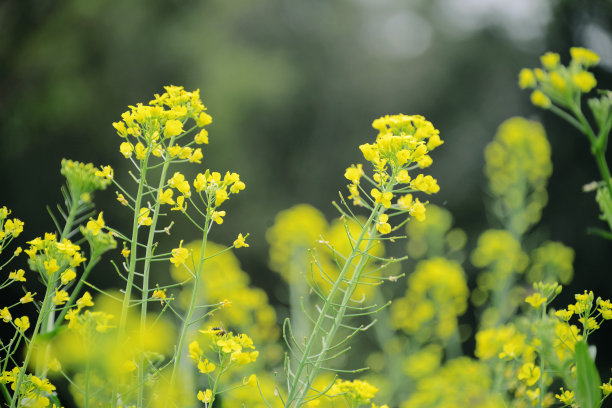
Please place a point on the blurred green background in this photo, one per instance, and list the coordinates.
(293, 86)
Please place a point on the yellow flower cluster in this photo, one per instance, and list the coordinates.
(355, 393)
(154, 128)
(402, 144)
(437, 294)
(519, 352)
(9, 227)
(590, 317)
(48, 256)
(228, 344)
(518, 166)
(499, 250)
(557, 83)
(551, 262)
(34, 391)
(229, 350)
(464, 383)
(83, 179)
(295, 231)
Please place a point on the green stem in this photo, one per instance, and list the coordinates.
(213, 392)
(598, 145)
(133, 248)
(145, 277)
(44, 313)
(296, 391)
(192, 303)
(149, 248)
(133, 260)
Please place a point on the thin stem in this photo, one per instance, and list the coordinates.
(295, 391)
(46, 307)
(133, 248)
(194, 295)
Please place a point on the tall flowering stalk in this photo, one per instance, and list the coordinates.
(402, 146)
(158, 136)
(560, 88)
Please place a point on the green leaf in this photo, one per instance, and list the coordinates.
(588, 393)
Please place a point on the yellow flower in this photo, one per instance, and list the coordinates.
(527, 79)
(77, 259)
(202, 137)
(220, 196)
(584, 56)
(18, 275)
(143, 217)
(434, 141)
(178, 181)
(5, 315)
(60, 297)
(354, 173)
(51, 266)
(539, 99)
(205, 397)
(566, 397)
(159, 294)
(200, 182)
(529, 373)
(95, 226)
(605, 308)
(180, 204)
(27, 298)
(67, 276)
(196, 156)
(121, 199)
(382, 226)
(179, 255)
(383, 198)
(84, 301)
(206, 366)
(22, 323)
(564, 314)
(141, 151)
(606, 388)
(418, 210)
(243, 358)
(240, 242)
(195, 352)
(237, 186)
(217, 216)
(174, 151)
(165, 197)
(426, 184)
(173, 128)
(550, 60)
(126, 149)
(536, 300)
(204, 119)
(403, 177)
(584, 80)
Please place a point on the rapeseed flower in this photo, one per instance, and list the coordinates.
(179, 255)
